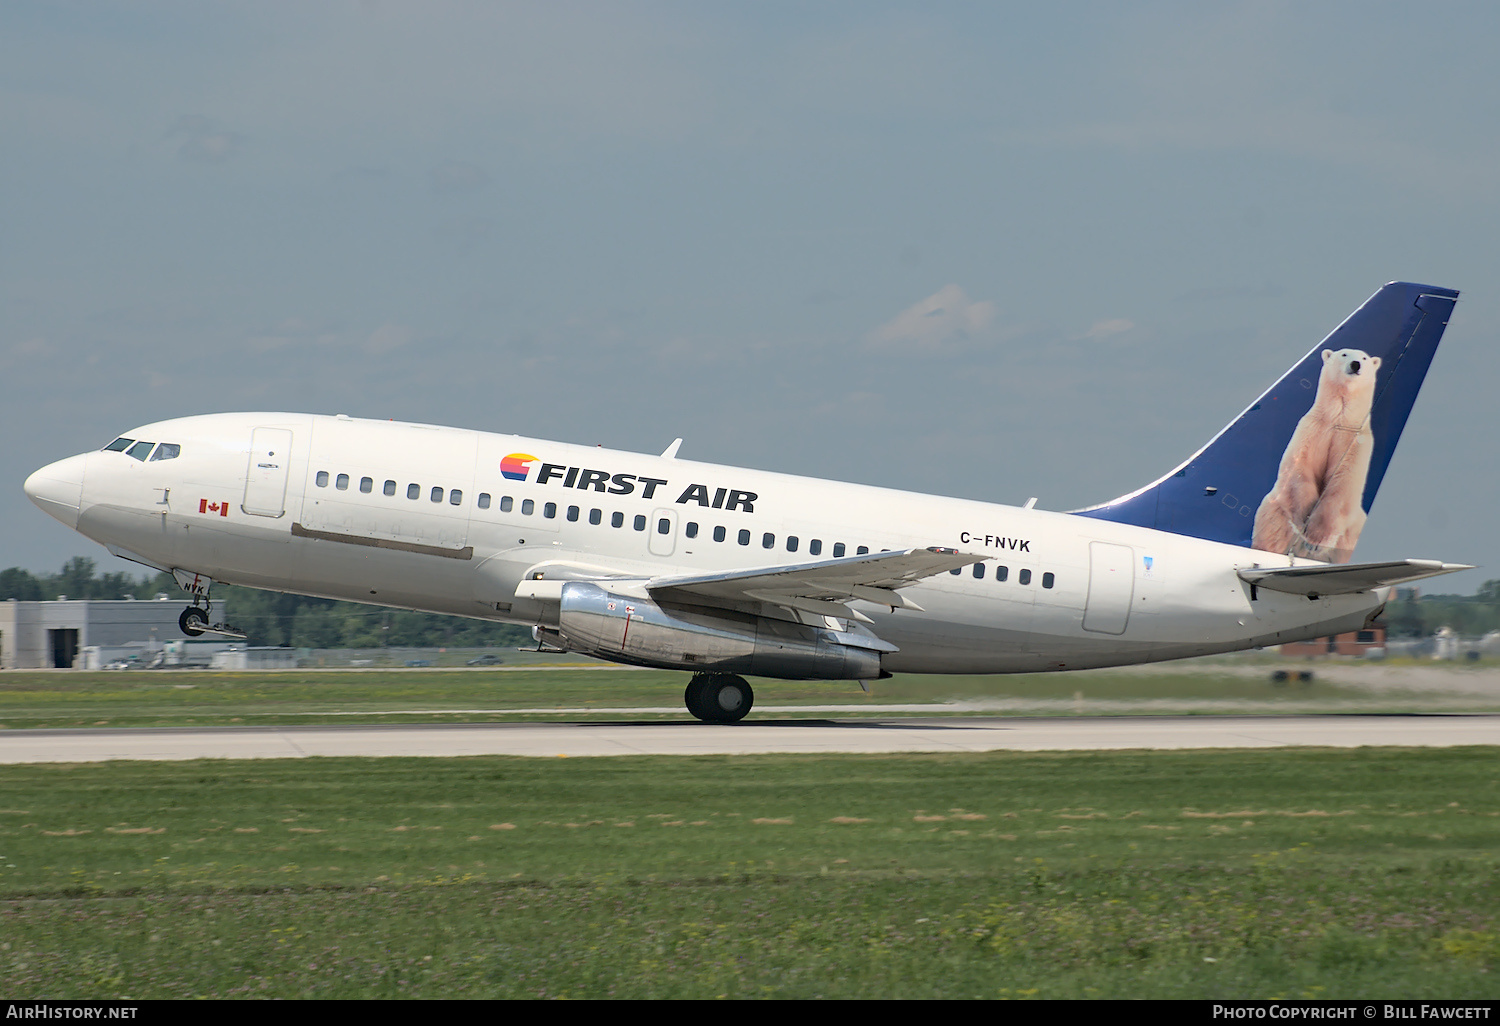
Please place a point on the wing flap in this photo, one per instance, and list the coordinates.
(873, 577)
(1345, 578)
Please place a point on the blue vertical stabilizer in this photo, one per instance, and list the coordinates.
(1298, 471)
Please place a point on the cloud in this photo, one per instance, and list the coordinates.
(945, 315)
(27, 349)
(202, 141)
(455, 177)
(467, 233)
(1104, 329)
(388, 337)
(296, 332)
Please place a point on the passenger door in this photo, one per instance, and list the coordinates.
(266, 477)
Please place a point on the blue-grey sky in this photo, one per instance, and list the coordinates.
(982, 249)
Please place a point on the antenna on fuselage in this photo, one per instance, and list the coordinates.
(671, 450)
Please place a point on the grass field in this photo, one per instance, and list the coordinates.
(179, 698)
(1361, 873)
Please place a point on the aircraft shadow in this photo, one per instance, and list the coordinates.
(848, 724)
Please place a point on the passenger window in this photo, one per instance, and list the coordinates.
(507, 504)
(1002, 572)
(1048, 580)
(978, 571)
(455, 497)
(640, 522)
(342, 482)
(573, 514)
(768, 540)
(527, 506)
(550, 511)
(484, 500)
(119, 445)
(664, 526)
(436, 494)
(838, 550)
(322, 479)
(413, 491)
(719, 533)
(366, 485)
(862, 550)
(595, 516)
(166, 451)
(956, 571)
(815, 547)
(791, 543)
(744, 537)
(1024, 577)
(691, 530)
(617, 519)
(389, 488)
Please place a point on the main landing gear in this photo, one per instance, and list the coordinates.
(718, 697)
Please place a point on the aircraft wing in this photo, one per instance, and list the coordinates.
(1346, 578)
(821, 588)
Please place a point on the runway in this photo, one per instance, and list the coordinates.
(785, 736)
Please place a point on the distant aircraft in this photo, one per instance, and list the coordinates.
(721, 571)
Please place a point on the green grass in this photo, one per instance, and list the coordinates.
(1368, 873)
(193, 698)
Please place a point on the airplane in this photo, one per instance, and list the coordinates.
(721, 571)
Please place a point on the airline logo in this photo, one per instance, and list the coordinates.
(516, 466)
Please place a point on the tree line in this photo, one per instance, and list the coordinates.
(270, 618)
(1411, 614)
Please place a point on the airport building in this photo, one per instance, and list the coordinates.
(37, 635)
(1353, 643)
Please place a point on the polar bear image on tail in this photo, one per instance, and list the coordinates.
(1315, 508)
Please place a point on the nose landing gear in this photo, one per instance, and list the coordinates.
(719, 697)
(195, 619)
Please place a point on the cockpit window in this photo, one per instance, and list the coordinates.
(140, 450)
(166, 451)
(119, 445)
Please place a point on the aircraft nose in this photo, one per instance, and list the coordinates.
(57, 488)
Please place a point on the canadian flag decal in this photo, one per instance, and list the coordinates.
(221, 508)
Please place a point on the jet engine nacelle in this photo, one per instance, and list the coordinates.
(637, 630)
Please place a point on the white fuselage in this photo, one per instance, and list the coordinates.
(316, 518)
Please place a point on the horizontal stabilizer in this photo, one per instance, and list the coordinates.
(1346, 578)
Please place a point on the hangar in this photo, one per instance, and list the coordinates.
(37, 635)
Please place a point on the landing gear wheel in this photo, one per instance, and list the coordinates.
(730, 699)
(694, 697)
(720, 698)
(193, 621)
